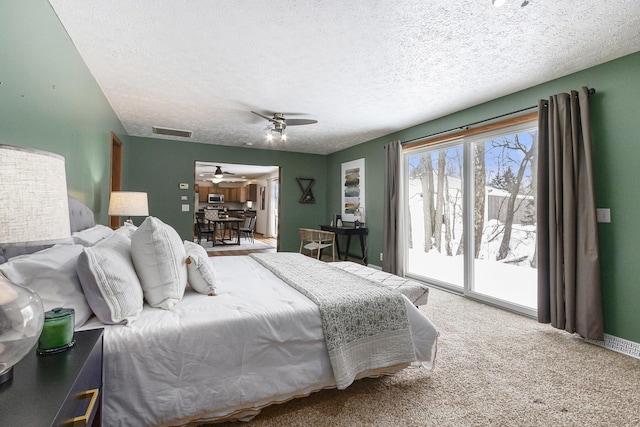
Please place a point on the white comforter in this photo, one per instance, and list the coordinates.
(257, 342)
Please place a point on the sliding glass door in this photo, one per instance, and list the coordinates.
(435, 246)
(470, 215)
(505, 217)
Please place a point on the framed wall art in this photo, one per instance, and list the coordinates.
(353, 190)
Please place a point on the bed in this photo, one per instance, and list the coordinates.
(261, 339)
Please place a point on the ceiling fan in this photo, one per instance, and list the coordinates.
(279, 123)
(219, 173)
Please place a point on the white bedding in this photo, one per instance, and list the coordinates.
(257, 342)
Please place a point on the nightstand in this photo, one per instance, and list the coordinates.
(52, 390)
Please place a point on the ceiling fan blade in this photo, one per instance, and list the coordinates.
(264, 117)
(298, 122)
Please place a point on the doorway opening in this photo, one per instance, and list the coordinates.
(240, 190)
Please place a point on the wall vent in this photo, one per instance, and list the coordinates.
(618, 344)
(172, 132)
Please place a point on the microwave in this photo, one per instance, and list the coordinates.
(216, 198)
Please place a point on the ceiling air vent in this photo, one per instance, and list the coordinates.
(172, 132)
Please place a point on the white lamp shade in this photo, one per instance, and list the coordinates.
(34, 206)
(128, 203)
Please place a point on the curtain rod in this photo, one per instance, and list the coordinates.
(591, 92)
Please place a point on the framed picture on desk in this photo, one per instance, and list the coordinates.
(353, 190)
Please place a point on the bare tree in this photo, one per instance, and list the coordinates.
(534, 188)
(437, 230)
(479, 184)
(528, 152)
(447, 218)
(426, 180)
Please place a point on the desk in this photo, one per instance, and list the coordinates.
(349, 231)
(224, 222)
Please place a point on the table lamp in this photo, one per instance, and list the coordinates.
(128, 203)
(34, 210)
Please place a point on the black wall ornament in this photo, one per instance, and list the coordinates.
(307, 194)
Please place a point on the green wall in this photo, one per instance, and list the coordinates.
(615, 113)
(158, 166)
(50, 101)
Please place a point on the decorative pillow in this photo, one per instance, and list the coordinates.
(159, 258)
(109, 280)
(199, 272)
(127, 230)
(53, 274)
(91, 236)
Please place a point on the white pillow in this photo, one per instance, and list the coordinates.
(159, 258)
(109, 280)
(199, 272)
(91, 236)
(127, 230)
(53, 274)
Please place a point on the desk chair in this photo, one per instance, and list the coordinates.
(316, 240)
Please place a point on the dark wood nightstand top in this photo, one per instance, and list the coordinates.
(41, 384)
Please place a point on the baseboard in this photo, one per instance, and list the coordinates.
(619, 345)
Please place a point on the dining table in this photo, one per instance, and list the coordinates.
(224, 224)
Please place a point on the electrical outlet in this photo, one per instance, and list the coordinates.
(185, 208)
(380, 256)
(603, 215)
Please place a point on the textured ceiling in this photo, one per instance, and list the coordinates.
(362, 68)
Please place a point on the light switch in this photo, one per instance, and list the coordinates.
(185, 208)
(603, 215)
(184, 186)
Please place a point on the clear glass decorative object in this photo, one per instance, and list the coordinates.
(21, 320)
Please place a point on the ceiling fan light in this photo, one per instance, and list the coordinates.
(497, 3)
(218, 173)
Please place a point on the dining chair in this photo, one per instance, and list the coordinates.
(248, 228)
(203, 228)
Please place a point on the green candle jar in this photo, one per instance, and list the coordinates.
(57, 331)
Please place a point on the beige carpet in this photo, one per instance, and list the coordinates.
(493, 368)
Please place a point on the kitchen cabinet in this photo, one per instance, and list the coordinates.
(242, 194)
(202, 193)
(231, 194)
(252, 190)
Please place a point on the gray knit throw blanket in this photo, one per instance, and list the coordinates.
(365, 324)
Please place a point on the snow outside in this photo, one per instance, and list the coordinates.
(504, 235)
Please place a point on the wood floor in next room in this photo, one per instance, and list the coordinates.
(258, 237)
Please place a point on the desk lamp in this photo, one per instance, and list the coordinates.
(128, 203)
(34, 211)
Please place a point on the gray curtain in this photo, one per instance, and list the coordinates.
(390, 217)
(569, 293)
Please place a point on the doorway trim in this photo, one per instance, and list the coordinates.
(116, 174)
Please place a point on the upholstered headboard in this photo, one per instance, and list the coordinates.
(80, 218)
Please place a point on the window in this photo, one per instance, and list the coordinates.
(470, 207)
